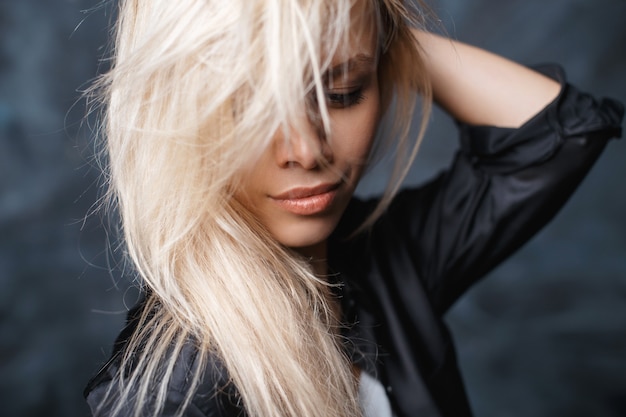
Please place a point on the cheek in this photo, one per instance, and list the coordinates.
(252, 181)
(355, 130)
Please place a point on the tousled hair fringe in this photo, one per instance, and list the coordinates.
(196, 90)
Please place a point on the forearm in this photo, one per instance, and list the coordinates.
(482, 88)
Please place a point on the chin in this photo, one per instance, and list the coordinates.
(305, 234)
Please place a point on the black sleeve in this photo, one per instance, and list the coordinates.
(214, 396)
(173, 402)
(503, 186)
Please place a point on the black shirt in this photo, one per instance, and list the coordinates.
(400, 277)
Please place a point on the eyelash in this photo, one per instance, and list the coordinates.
(343, 101)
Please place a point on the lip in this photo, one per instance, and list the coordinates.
(307, 201)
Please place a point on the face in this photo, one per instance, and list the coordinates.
(301, 184)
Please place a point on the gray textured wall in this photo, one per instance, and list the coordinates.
(544, 335)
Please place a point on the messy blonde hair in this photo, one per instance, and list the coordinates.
(196, 90)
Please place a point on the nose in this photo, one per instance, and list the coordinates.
(305, 147)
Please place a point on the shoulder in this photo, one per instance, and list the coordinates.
(197, 382)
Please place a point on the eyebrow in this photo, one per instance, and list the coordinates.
(361, 62)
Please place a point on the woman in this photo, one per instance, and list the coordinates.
(236, 133)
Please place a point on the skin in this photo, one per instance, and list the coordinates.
(481, 88)
(472, 85)
(302, 162)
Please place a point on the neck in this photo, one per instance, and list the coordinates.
(317, 256)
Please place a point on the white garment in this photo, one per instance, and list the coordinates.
(373, 398)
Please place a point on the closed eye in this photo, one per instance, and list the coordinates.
(345, 100)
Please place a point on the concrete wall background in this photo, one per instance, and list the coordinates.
(544, 335)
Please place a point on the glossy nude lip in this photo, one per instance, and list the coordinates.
(307, 201)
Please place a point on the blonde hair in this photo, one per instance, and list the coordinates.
(196, 90)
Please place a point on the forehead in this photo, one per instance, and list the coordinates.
(360, 46)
